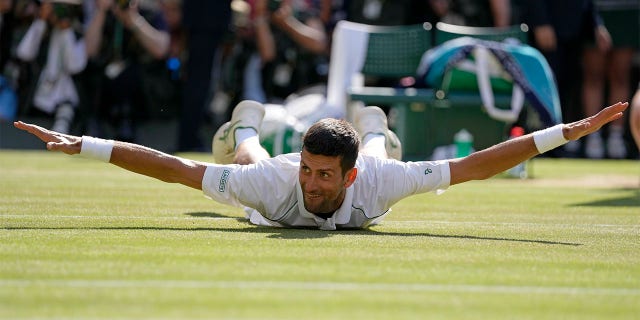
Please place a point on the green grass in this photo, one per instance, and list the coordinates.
(84, 240)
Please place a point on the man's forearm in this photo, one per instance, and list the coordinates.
(309, 37)
(501, 11)
(153, 40)
(156, 164)
(493, 160)
(129, 156)
(93, 36)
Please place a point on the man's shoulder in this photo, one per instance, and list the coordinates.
(292, 159)
(281, 163)
(366, 161)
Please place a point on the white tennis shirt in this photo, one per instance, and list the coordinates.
(272, 189)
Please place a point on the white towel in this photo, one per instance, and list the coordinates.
(348, 52)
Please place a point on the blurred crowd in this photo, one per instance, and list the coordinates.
(102, 67)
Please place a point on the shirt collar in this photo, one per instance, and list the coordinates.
(341, 216)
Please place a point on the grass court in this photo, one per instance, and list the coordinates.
(81, 239)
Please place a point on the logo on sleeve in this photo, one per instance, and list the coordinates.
(426, 172)
(222, 186)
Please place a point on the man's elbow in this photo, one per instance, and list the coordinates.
(186, 172)
(318, 46)
(462, 172)
(25, 55)
(483, 176)
(161, 50)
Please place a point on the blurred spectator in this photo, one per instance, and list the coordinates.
(206, 22)
(8, 99)
(280, 49)
(440, 10)
(20, 75)
(332, 11)
(6, 31)
(127, 46)
(486, 13)
(634, 117)
(62, 53)
(241, 76)
(386, 13)
(169, 80)
(172, 11)
(483, 13)
(608, 63)
(560, 30)
(293, 45)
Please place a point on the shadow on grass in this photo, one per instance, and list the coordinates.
(310, 233)
(289, 233)
(632, 200)
(214, 215)
(305, 234)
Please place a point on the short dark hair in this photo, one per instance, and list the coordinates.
(333, 137)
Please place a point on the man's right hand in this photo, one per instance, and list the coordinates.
(127, 15)
(104, 5)
(55, 141)
(545, 36)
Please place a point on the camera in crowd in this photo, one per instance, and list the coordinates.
(123, 4)
(274, 5)
(64, 9)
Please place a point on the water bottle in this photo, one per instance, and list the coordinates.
(463, 141)
(520, 170)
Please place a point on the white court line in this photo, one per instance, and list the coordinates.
(322, 286)
(384, 222)
(533, 224)
(52, 216)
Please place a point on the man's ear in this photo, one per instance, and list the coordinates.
(351, 177)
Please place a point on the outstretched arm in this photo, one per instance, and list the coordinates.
(132, 157)
(309, 34)
(155, 41)
(491, 161)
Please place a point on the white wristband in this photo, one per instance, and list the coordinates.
(96, 148)
(549, 138)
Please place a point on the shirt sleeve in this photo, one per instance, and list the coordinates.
(396, 180)
(266, 186)
(75, 54)
(215, 183)
(30, 44)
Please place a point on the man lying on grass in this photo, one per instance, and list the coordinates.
(334, 182)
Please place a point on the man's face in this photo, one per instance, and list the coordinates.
(323, 184)
(5, 6)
